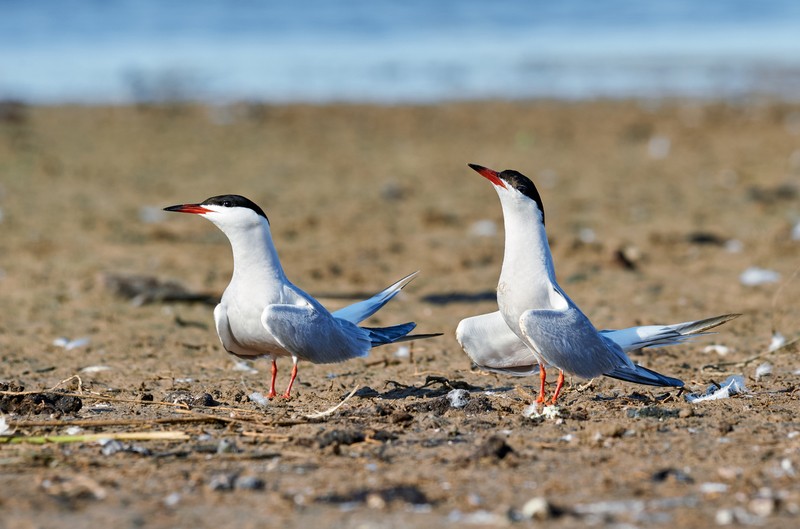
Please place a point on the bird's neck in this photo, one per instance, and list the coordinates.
(254, 256)
(527, 274)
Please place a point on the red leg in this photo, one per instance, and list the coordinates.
(543, 379)
(291, 381)
(272, 391)
(559, 385)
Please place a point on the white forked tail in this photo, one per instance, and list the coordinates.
(634, 338)
(358, 312)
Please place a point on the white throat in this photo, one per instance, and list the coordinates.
(527, 279)
(255, 260)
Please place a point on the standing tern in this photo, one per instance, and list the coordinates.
(262, 313)
(538, 325)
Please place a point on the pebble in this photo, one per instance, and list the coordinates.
(537, 509)
(458, 398)
(755, 276)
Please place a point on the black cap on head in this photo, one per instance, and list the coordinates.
(234, 201)
(523, 184)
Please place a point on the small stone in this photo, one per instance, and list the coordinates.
(250, 483)
(762, 507)
(458, 398)
(724, 517)
(227, 446)
(172, 499)
(222, 482)
(375, 501)
(686, 413)
(537, 509)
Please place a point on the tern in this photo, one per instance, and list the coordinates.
(262, 313)
(538, 325)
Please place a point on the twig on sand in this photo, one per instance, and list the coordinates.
(327, 412)
(89, 437)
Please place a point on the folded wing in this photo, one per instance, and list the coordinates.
(493, 346)
(313, 335)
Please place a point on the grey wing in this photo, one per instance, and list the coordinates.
(493, 346)
(315, 336)
(568, 340)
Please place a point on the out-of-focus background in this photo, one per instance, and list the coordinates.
(663, 136)
(384, 51)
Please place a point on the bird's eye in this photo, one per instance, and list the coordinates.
(522, 188)
(227, 204)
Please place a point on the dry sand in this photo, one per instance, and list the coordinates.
(359, 196)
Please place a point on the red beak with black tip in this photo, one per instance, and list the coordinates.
(490, 175)
(196, 209)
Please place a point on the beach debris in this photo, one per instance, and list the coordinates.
(227, 446)
(340, 438)
(5, 429)
(244, 366)
(408, 494)
(481, 517)
(36, 403)
(536, 411)
(102, 438)
(628, 256)
(796, 231)
(458, 398)
(653, 412)
(712, 488)
(538, 508)
(705, 238)
(68, 344)
(187, 399)
(95, 369)
(142, 290)
(394, 190)
(495, 447)
(755, 276)
(79, 486)
(250, 483)
(403, 351)
(778, 340)
(222, 482)
(771, 195)
(763, 370)
(733, 385)
(719, 349)
(658, 147)
(587, 236)
(172, 499)
(734, 246)
(331, 410)
(483, 228)
(258, 398)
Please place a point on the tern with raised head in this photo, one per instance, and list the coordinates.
(538, 325)
(262, 313)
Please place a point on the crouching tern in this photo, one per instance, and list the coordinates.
(262, 313)
(538, 325)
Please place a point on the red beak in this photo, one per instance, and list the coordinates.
(490, 175)
(197, 209)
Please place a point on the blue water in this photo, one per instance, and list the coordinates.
(107, 51)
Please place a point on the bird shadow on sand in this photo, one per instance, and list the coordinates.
(434, 386)
(445, 298)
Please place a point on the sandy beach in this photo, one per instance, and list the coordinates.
(654, 210)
